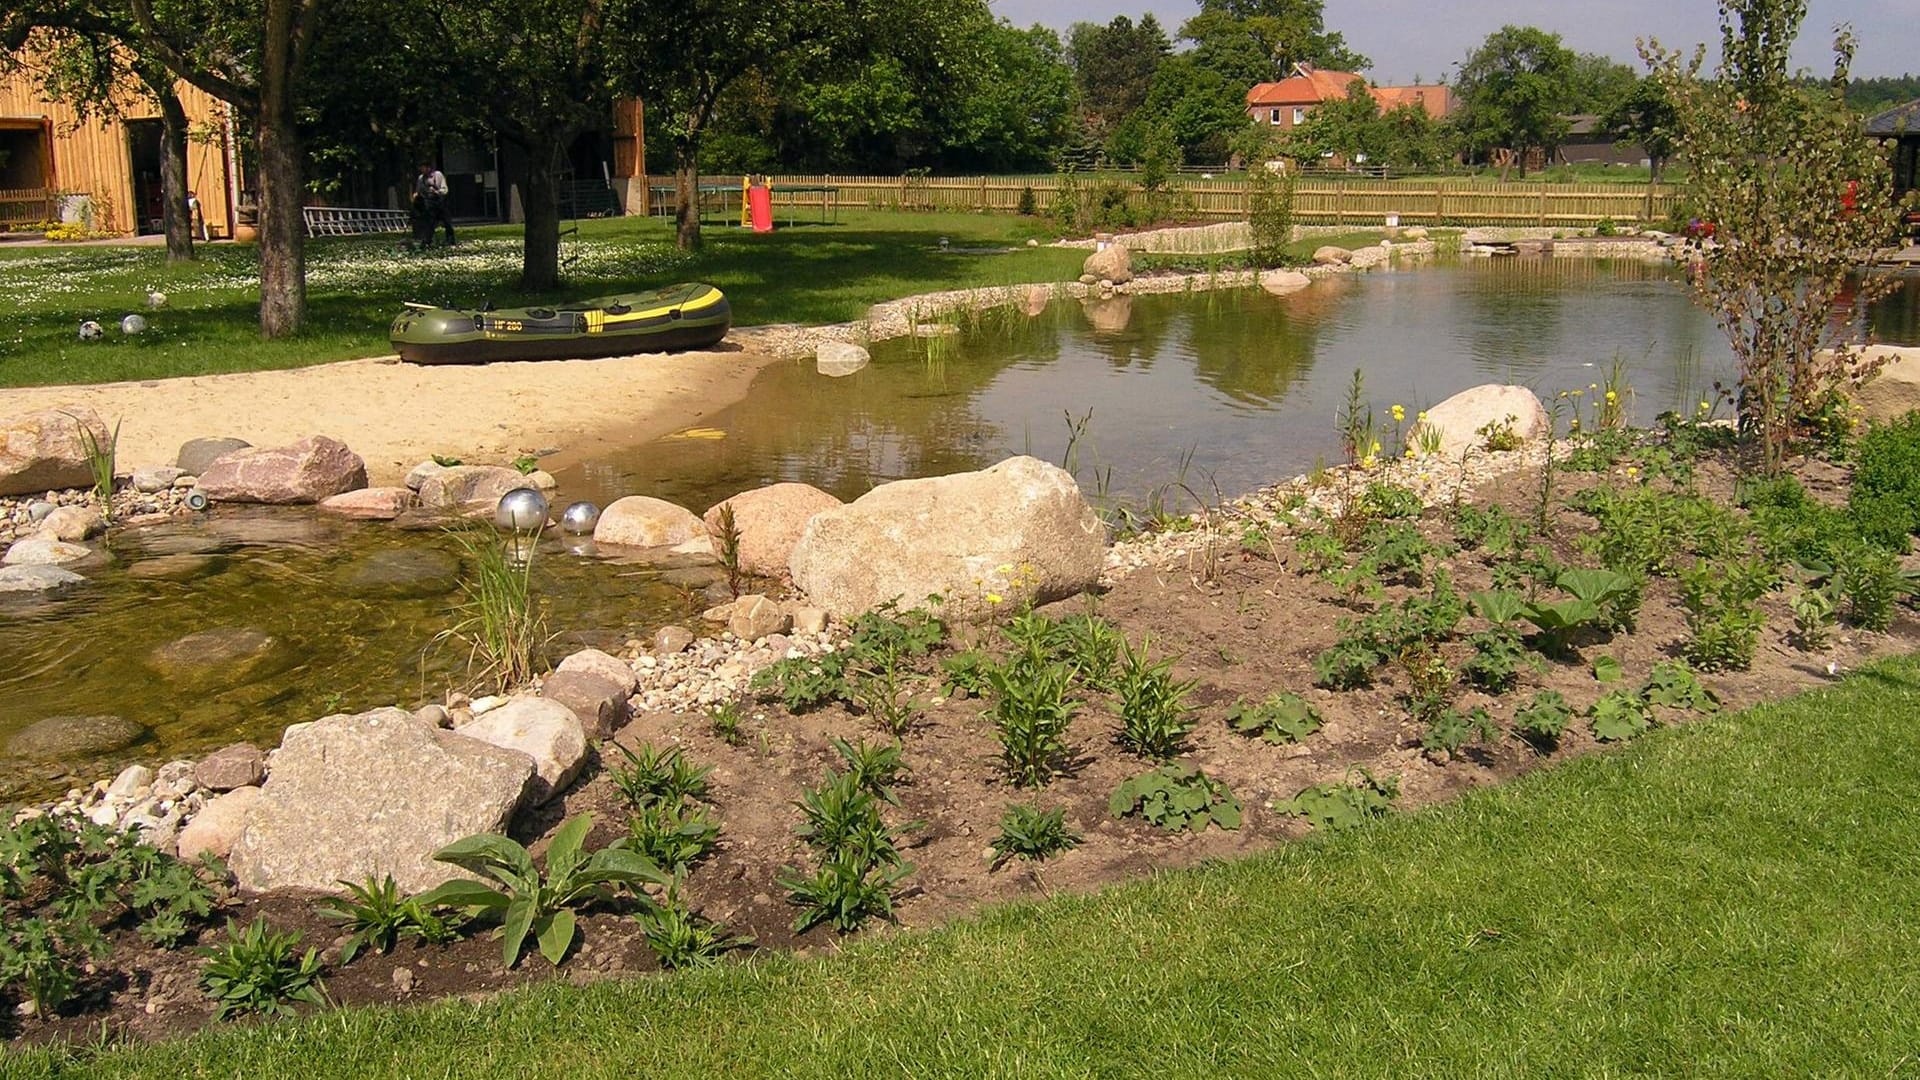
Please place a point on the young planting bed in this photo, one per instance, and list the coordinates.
(1649, 597)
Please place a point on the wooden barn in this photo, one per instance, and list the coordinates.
(48, 154)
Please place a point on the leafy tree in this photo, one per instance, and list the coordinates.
(1799, 201)
(1596, 83)
(1514, 92)
(1644, 117)
(1198, 107)
(1114, 66)
(1872, 95)
(1254, 41)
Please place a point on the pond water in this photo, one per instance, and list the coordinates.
(300, 615)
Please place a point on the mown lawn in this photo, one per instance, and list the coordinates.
(1736, 898)
(809, 274)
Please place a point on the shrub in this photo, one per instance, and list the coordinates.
(42, 958)
(257, 971)
(1177, 797)
(1542, 721)
(1031, 713)
(1495, 663)
(1723, 614)
(1384, 500)
(1618, 716)
(1868, 581)
(377, 915)
(1270, 213)
(1885, 498)
(647, 776)
(1335, 807)
(530, 903)
(1282, 718)
(1813, 617)
(1154, 715)
(1028, 832)
(844, 892)
(1348, 664)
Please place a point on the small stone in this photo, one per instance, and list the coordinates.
(231, 767)
(809, 620)
(215, 829)
(432, 715)
(599, 703)
(669, 640)
(132, 780)
(403, 980)
(837, 359)
(155, 478)
(44, 551)
(72, 524)
(594, 662)
(754, 617)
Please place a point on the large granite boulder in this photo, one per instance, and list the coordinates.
(1895, 390)
(42, 451)
(469, 488)
(214, 830)
(1463, 420)
(645, 522)
(605, 665)
(985, 542)
(63, 738)
(303, 472)
(1331, 255)
(352, 797)
(1112, 263)
(1284, 282)
(196, 456)
(545, 731)
(770, 520)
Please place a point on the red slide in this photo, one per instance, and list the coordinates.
(760, 203)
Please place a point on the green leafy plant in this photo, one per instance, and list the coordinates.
(1495, 664)
(1559, 620)
(1348, 664)
(1607, 669)
(100, 457)
(261, 971)
(1450, 732)
(674, 835)
(1500, 436)
(1541, 722)
(647, 775)
(1673, 685)
(1813, 617)
(42, 958)
(682, 940)
(1028, 832)
(1491, 530)
(843, 815)
(844, 892)
(1723, 613)
(445, 461)
(526, 464)
(1177, 797)
(1092, 646)
(539, 905)
(1031, 713)
(882, 693)
(805, 683)
(726, 721)
(726, 536)
(967, 671)
(872, 767)
(1618, 716)
(1281, 718)
(1154, 715)
(377, 915)
(1868, 581)
(1360, 798)
(1384, 500)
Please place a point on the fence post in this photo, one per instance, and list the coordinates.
(1543, 205)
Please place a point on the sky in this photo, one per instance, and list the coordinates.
(1428, 38)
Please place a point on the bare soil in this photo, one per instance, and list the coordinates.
(1247, 626)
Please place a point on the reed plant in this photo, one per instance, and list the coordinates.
(101, 458)
(501, 621)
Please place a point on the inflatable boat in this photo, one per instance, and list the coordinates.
(689, 316)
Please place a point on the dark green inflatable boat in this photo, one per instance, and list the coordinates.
(679, 317)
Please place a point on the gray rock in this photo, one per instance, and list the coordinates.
(1020, 531)
(646, 522)
(840, 358)
(421, 472)
(546, 731)
(469, 487)
(754, 617)
(237, 766)
(154, 479)
(1459, 421)
(1112, 264)
(222, 656)
(44, 551)
(61, 738)
(133, 782)
(672, 639)
(398, 573)
(433, 716)
(214, 829)
(42, 451)
(196, 455)
(15, 579)
(72, 524)
(606, 666)
(373, 794)
(38, 511)
(599, 703)
(1331, 255)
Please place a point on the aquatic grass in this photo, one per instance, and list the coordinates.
(101, 459)
(501, 621)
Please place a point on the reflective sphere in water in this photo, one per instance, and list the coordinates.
(196, 501)
(523, 510)
(133, 324)
(580, 518)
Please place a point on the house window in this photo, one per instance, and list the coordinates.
(1299, 116)
(1273, 116)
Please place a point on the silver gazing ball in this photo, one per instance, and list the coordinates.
(91, 331)
(133, 324)
(580, 518)
(523, 510)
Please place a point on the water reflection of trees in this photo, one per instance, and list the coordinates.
(1253, 347)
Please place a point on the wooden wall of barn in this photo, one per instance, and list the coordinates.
(94, 157)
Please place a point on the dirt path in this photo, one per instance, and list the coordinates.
(395, 415)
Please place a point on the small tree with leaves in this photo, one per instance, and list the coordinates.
(1799, 200)
(1270, 212)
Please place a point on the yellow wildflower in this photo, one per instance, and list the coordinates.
(1612, 397)
(995, 598)
(1422, 417)
(1399, 414)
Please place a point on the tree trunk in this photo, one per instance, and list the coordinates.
(176, 216)
(686, 179)
(283, 230)
(540, 202)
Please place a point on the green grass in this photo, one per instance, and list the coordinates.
(806, 274)
(1735, 898)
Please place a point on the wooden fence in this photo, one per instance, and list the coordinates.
(1317, 200)
(20, 207)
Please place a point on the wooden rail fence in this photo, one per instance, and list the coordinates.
(1317, 200)
(21, 207)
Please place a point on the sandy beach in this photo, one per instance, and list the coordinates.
(395, 415)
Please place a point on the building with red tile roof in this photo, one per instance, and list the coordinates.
(1287, 104)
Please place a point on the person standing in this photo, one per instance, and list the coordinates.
(430, 191)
